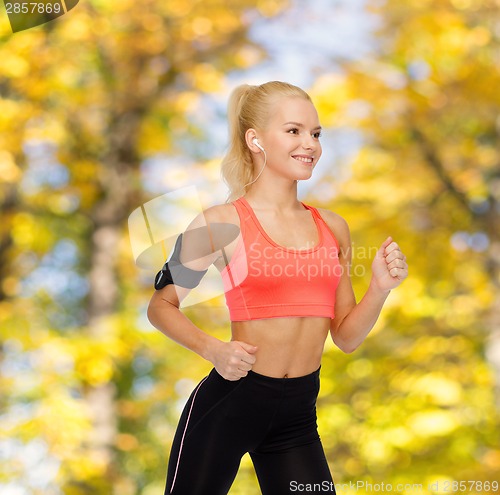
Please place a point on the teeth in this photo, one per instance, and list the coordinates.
(303, 159)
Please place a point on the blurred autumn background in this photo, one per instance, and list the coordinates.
(117, 103)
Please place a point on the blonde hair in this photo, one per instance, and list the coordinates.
(249, 107)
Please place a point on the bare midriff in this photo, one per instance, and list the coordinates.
(287, 347)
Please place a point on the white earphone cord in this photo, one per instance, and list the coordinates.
(265, 161)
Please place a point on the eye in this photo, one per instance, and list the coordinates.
(294, 130)
(317, 135)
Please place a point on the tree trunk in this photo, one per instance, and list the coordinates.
(117, 188)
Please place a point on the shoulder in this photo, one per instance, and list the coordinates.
(201, 245)
(222, 221)
(221, 213)
(338, 225)
(334, 220)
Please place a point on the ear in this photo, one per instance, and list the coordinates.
(250, 135)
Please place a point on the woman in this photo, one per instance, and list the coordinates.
(287, 286)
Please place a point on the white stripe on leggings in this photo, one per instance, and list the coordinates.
(184, 433)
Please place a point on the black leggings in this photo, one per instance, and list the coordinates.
(273, 419)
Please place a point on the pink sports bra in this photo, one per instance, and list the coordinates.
(266, 280)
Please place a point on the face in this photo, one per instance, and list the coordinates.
(291, 138)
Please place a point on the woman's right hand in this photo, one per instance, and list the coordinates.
(233, 360)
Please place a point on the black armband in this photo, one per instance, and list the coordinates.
(174, 272)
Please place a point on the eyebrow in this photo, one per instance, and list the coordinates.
(298, 124)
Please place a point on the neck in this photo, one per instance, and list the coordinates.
(269, 195)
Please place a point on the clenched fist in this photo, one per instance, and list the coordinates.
(389, 267)
(233, 360)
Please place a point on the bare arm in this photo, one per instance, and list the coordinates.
(232, 359)
(165, 315)
(352, 330)
(354, 321)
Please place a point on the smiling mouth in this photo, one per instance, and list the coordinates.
(304, 159)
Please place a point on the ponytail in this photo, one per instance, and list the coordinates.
(237, 166)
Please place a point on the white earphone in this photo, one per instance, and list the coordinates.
(256, 142)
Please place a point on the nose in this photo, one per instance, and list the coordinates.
(309, 143)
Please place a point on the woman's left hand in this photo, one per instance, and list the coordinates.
(389, 267)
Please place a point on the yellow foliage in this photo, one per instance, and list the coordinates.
(441, 390)
(178, 9)
(27, 233)
(126, 442)
(94, 361)
(247, 57)
(269, 8)
(399, 436)
(76, 28)
(56, 410)
(85, 468)
(9, 171)
(187, 101)
(207, 78)
(337, 416)
(46, 129)
(330, 94)
(376, 450)
(492, 459)
(14, 66)
(433, 422)
(360, 368)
